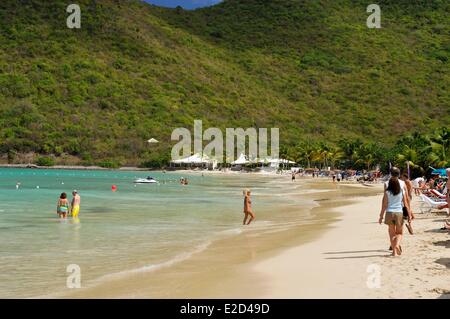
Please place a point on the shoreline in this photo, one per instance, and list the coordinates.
(225, 268)
(73, 167)
(327, 254)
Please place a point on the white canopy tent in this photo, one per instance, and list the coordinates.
(275, 161)
(285, 161)
(193, 159)
(242, 160)
(196, 160)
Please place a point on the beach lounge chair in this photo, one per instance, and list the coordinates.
(437, 195)
(428, 204)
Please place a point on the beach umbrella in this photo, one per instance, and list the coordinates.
(439, 171)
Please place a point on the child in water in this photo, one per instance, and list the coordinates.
(62, 207)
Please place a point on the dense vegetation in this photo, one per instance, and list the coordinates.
(312, 68)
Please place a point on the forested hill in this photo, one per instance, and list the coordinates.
(135, 71)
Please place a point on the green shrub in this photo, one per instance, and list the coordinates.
(109, 164)
(45, 161)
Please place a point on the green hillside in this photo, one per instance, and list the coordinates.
(135, 71)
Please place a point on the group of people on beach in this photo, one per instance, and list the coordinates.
(339, 176)
(63, 208)
(436, 186)
(434, 182)
(396, 204)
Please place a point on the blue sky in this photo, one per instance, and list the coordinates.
(186, 4)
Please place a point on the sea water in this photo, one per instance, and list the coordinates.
(136, 228)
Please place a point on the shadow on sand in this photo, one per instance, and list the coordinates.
(357, 252)
(445, 243)
(443, 261)
(357, 257)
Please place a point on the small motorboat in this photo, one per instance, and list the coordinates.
(148, 180)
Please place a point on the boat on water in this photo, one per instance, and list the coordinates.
(148, 180)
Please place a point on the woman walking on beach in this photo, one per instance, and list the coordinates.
(409, 191)
(394, 199)
(62, 207)
(248, 208)
(408, 184)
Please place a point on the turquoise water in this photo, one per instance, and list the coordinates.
(136, 228)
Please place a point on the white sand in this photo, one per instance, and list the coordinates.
(336, 265)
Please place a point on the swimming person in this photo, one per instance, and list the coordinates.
(76, 201)
(394, 199)
(248, 208)
(62, 207)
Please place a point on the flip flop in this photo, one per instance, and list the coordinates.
(410, 230)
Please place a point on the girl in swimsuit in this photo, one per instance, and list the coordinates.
(62, 208)
(248, 208)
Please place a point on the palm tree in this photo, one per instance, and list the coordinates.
(408, 155)
(307, 153)
(349, 149)
(322, 154)
(368, 154)
(440, 146)
(295, 153)
(437, 156)
(335, 155)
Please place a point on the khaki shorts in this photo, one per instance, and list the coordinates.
(395, 218)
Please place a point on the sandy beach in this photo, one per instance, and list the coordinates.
(337, 265)
(333, 256)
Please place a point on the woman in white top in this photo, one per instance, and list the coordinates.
(394, 199)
